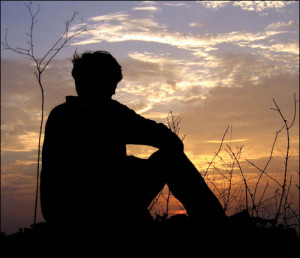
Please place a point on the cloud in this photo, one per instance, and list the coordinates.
(158, 81)
(122, 27)
(259, 6)
(283, 55)
(214, 5)
(150, 67)
(146, 8)
(123, 21)
(250, 6)
(281, 25)
(292, 48)
(148, 3)
(160, 78)
(195, 24)
(237, 69)
(150, 33)
(176, 4)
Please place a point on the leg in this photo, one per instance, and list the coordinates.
(188, 186)
(147, 177)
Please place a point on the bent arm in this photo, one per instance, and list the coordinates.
(141, 131)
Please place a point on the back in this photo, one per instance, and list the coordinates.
(83, 157)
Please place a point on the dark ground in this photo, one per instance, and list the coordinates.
(241, 235)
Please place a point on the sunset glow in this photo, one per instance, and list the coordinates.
(214, 64)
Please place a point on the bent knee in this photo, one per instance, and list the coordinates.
(165, 156)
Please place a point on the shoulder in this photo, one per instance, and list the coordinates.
(57, 114)
(117, 104)
(58, 110)
(72, 102)
(122, 109)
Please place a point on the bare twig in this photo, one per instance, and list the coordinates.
(281, 195)
(173, 124)
(236, 157)
(283, 187)
(216, 154)
(154, 201)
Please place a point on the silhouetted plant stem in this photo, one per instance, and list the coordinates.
(38, 75)
(283, 194)
(253, 201)
(236, 157)
(216, 154)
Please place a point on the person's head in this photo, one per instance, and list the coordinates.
(96, 74)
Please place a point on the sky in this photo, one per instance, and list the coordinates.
(214, 64)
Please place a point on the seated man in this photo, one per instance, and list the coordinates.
(88, 181)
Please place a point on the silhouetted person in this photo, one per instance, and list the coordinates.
(87, 180)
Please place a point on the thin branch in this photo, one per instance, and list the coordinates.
(33, 22)
(65, 39)
(263, 171)
(39, 143)
(233, 196)
(261, 198)
(216, 154)
(286, 159)
(236, 158)
(295, 111)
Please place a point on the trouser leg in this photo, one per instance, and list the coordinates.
(146, 178)
(188, 186)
